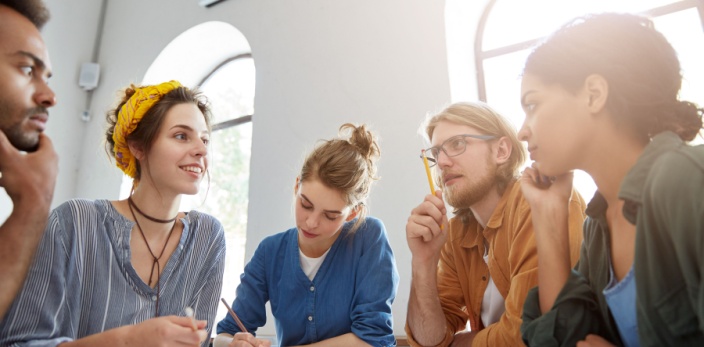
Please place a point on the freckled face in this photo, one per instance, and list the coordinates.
(558, 126)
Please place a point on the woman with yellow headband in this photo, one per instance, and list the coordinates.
(128, 272)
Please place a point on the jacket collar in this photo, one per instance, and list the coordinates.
(631, 190)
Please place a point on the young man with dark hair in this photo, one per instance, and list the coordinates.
(28, 162)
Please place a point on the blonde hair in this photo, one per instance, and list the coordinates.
(347, 165)
(487, 121)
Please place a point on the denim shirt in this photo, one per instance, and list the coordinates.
(352, 292)
(621, 298)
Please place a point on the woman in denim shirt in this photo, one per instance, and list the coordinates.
(601, 95)
(331, 280)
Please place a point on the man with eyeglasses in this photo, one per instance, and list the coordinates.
(478, 266)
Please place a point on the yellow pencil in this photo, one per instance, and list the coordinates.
(430, 176)
(427, 171)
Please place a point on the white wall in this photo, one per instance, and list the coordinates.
(319, 64)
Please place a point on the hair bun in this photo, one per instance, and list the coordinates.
(363, 140)
(690, 119)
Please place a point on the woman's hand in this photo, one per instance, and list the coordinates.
(248, 340)
(594, 341)
(167, 331)
(540, 190)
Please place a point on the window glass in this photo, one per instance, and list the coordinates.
(514, 21)
(508, 25)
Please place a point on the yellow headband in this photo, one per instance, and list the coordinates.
(129, 116)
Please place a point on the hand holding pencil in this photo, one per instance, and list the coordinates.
(243, 338)
(429, 174)
(424, 230)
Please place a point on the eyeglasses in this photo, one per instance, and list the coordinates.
(452, 147)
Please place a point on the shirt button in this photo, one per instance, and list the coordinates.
(310, 318)
(153, 297)
(312, 288)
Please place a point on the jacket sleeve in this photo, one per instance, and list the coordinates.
(575, 314)
(252, 296)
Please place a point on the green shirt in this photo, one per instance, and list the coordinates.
(664, 198)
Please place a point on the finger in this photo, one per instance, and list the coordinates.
(186, 322)
(202, 335)
(186, 336)
(246, 337)
(596, 340)
(45, 143)
(530, 175)
(435, 200)
(439, 194)
(5, 147)
(422, 226)
(538, 179)
(445, 224)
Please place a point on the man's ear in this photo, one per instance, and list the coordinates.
(353, 213)
(503, 150)
(596, 88)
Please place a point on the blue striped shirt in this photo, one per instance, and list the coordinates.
(82, 281)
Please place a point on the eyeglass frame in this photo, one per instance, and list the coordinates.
(432, 161)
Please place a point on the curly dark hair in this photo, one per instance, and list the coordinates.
(638, 62)
(34, 10)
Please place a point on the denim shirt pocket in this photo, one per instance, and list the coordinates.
(676, 312)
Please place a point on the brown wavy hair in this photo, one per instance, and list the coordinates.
(347, 164)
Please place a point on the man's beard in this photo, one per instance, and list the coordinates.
(22, 140)
(475, 190)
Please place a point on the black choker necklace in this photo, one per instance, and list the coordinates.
(157, 220)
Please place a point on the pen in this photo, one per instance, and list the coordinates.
(189, 313)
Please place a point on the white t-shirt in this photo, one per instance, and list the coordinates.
(311, 266)
(493, 305)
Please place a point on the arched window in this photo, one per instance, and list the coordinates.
(507, 29)
(216, 58)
